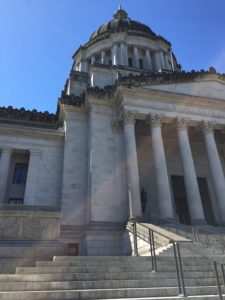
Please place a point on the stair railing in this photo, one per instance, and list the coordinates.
(198, 234)
(175, 240)
(171, 237)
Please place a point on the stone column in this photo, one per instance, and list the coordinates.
(215, 168)
(103, 57)
(148, 59)
(161, 55)
(132, 165)
(32, 175)
(114, 55)
(83, 66)
(92, 60)
(157, 61)
(5, 160)
(190, 178)
(161, 174)
(168, 67)
(135, 58)
(123, 55)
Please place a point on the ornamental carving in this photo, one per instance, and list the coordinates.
(182, 123)
(10, 113)
(72, 99)
(208, 126)
(116, 126)
(155, 120)
(129, 116)
(173, 77)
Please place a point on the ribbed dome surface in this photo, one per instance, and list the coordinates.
(121, 23)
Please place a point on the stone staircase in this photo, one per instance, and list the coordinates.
(109, 277)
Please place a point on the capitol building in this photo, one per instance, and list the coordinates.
(134, 138)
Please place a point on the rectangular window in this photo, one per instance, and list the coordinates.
(141, 63)
(20, 173)
(15, 200)
(130, 61)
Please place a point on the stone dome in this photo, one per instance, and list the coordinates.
(122, 23)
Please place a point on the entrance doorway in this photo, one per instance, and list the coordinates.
(181, 203)
(180, 199)
(206, 202)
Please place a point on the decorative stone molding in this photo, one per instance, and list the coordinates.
(35, 152)
(182, 124)
(128, 116)
(192, 103)
(117, 126)
(106, 93)
(155, 120)
(10, 113)
(174, 77)
(72, 100)
(208, 126)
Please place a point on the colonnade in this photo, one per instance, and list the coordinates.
(161, 173)
(31, 183)
(120, 53)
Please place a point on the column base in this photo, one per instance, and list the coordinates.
(221, 224)
(198, 222)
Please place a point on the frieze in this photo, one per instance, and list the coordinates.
(174, 99)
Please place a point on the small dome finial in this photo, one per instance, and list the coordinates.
(120, 13)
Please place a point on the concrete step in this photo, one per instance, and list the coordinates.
(48, 270)
(101, 276)
(106, 294)
(188, 262)
(101, 284)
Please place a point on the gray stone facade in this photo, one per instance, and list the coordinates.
(128, 122)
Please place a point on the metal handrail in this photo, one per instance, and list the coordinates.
(196, 232)
(176, 240)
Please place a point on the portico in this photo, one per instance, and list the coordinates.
(186, 161)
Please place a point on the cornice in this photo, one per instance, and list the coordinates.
(11, 129)
(173, 98)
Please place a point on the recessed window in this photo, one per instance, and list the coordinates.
(141, 63)
(130, 61)
(15, 200)
(20, 173)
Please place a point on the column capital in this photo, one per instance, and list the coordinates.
(208, 126)
(155, 120)
(182, 124)
(129, 116)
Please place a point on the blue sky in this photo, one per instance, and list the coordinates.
(38, 38)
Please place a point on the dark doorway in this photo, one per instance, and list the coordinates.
(180, 199)
(206, 202)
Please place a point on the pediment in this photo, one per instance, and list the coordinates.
(207, 89)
